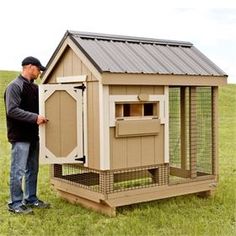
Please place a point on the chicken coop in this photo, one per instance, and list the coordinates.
(131, 120)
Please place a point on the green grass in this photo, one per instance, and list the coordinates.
(186, 215)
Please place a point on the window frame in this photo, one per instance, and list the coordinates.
(160, 100)
(132, 110)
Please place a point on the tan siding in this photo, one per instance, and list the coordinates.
(130, 90)
(76, 65)
(52, 108)
(93, 125)
(159, 147)
(159, 90)
(68, 124)
(57, 72)
(92, 78)
(96, 131)
(148, 150)
(118, 151)
(114, 90)
(147, 90)
(133, 151)
(61, 136)
(136, 151)
(67, 63)
(85, 71)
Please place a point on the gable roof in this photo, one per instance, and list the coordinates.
(124, 54)
(135, 55)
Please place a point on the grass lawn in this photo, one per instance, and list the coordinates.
(185, 215)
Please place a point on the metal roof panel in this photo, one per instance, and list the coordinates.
(124, 54)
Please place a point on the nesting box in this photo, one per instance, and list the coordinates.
(130, 120)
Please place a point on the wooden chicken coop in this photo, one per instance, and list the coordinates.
(130, 120)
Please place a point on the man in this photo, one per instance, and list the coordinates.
(21, 102)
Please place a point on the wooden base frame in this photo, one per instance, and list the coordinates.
(99, 207)
(107, 203)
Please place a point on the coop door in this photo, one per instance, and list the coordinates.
(62, 138)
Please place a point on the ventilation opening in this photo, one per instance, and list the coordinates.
(137, 110)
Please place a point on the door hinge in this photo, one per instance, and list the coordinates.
(82, 87)
(80, 159)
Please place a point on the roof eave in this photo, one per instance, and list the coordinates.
(85, 53)
(109, 78)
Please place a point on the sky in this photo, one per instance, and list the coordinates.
(35, 28)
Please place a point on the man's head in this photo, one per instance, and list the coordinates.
(32, 68)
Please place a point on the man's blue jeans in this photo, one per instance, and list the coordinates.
(24, 163)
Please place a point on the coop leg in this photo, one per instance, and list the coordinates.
(206, 194)
(106, 181)
(56, 170)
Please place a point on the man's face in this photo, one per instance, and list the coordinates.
(34, 72)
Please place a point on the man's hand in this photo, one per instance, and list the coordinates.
(41, 120)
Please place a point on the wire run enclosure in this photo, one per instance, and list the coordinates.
(192, 134)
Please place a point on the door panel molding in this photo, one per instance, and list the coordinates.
(46, 92)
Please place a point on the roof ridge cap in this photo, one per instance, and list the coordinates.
(111, 37)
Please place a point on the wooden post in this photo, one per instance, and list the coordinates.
(193, 132)
(56, 171)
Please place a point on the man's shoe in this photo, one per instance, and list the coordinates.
(37, 204)
(22, 209)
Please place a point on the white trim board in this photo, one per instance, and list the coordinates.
(166, 127)
(72, 79)
(104, 127)
(113, 99)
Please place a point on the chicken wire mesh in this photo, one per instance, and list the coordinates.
(111, 181)
(180, 128)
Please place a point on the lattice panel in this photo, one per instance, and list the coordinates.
(112, 180)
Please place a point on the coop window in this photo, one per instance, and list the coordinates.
(148, 109)
(136, 109)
